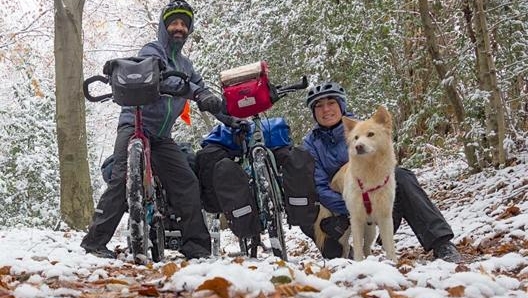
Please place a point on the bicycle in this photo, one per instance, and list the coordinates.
(258, 160)
(136, 82)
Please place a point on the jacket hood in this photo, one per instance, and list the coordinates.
(164, 38)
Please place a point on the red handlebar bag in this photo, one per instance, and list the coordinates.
(246, 89)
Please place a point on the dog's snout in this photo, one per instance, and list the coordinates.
(360, 149)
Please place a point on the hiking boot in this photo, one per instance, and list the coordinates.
(447, 252)
(335, 226)
(102, 253)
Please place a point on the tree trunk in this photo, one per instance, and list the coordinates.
(495, 123)
(75, 187)
(449, 84)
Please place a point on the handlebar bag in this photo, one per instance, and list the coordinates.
(246, 89)
(135, 81)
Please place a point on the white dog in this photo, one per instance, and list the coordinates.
(367, 182)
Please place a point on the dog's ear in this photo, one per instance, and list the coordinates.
(349, 123)
(382, 116)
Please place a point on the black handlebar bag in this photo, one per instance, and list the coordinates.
(135, 81)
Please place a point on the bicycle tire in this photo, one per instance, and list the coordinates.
(157, 227)
(157, 237)
(135, 193)
(269, 188)
(214, 232)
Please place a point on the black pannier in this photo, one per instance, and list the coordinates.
(236, 199)
(300, 195)
(205, 163)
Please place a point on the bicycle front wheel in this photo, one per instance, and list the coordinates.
(135, 193)
(270, 193)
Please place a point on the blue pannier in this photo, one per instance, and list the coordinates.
(276, 134)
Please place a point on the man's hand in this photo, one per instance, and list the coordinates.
(207, 101)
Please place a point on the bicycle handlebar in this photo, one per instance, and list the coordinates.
(303, 84)
(90, 80)
(164, 89)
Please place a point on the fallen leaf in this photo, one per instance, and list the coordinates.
(288, 290)
(281, 279)
(238, 260)
(307, 288)
(5, 294)
(457, 291)
(393, 294)
(462, 268)
(184, 263)
(5, 270)
(218, 285)
(110, 281)
(145, 290)
(511, 211)
(324, 273)
(169, 269)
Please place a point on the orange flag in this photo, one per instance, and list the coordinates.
(186, 114)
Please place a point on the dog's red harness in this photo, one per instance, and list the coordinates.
(365, 194)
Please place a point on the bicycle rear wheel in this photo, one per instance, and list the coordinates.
(270, 192)
(157, 228)
(135, 193)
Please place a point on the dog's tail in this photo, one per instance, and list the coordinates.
(320, 236)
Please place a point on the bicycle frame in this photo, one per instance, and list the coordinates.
(139, 134)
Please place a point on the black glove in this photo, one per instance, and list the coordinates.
(335, 226)
(207, 101)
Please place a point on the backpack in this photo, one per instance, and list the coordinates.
(300, 195)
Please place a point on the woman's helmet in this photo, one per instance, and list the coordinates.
(328, 89)
(181, 9)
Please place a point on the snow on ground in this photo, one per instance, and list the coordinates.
(488, 213)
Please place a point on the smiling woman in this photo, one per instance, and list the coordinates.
(327, 112)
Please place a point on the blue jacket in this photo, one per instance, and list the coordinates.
(329, 149)
(159, 117)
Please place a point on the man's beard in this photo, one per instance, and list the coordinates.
(178, 39)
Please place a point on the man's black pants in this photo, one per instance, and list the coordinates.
(181, 186)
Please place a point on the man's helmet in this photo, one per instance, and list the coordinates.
(182, 8)
(328, 89)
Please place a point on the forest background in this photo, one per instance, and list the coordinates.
(453, 73)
